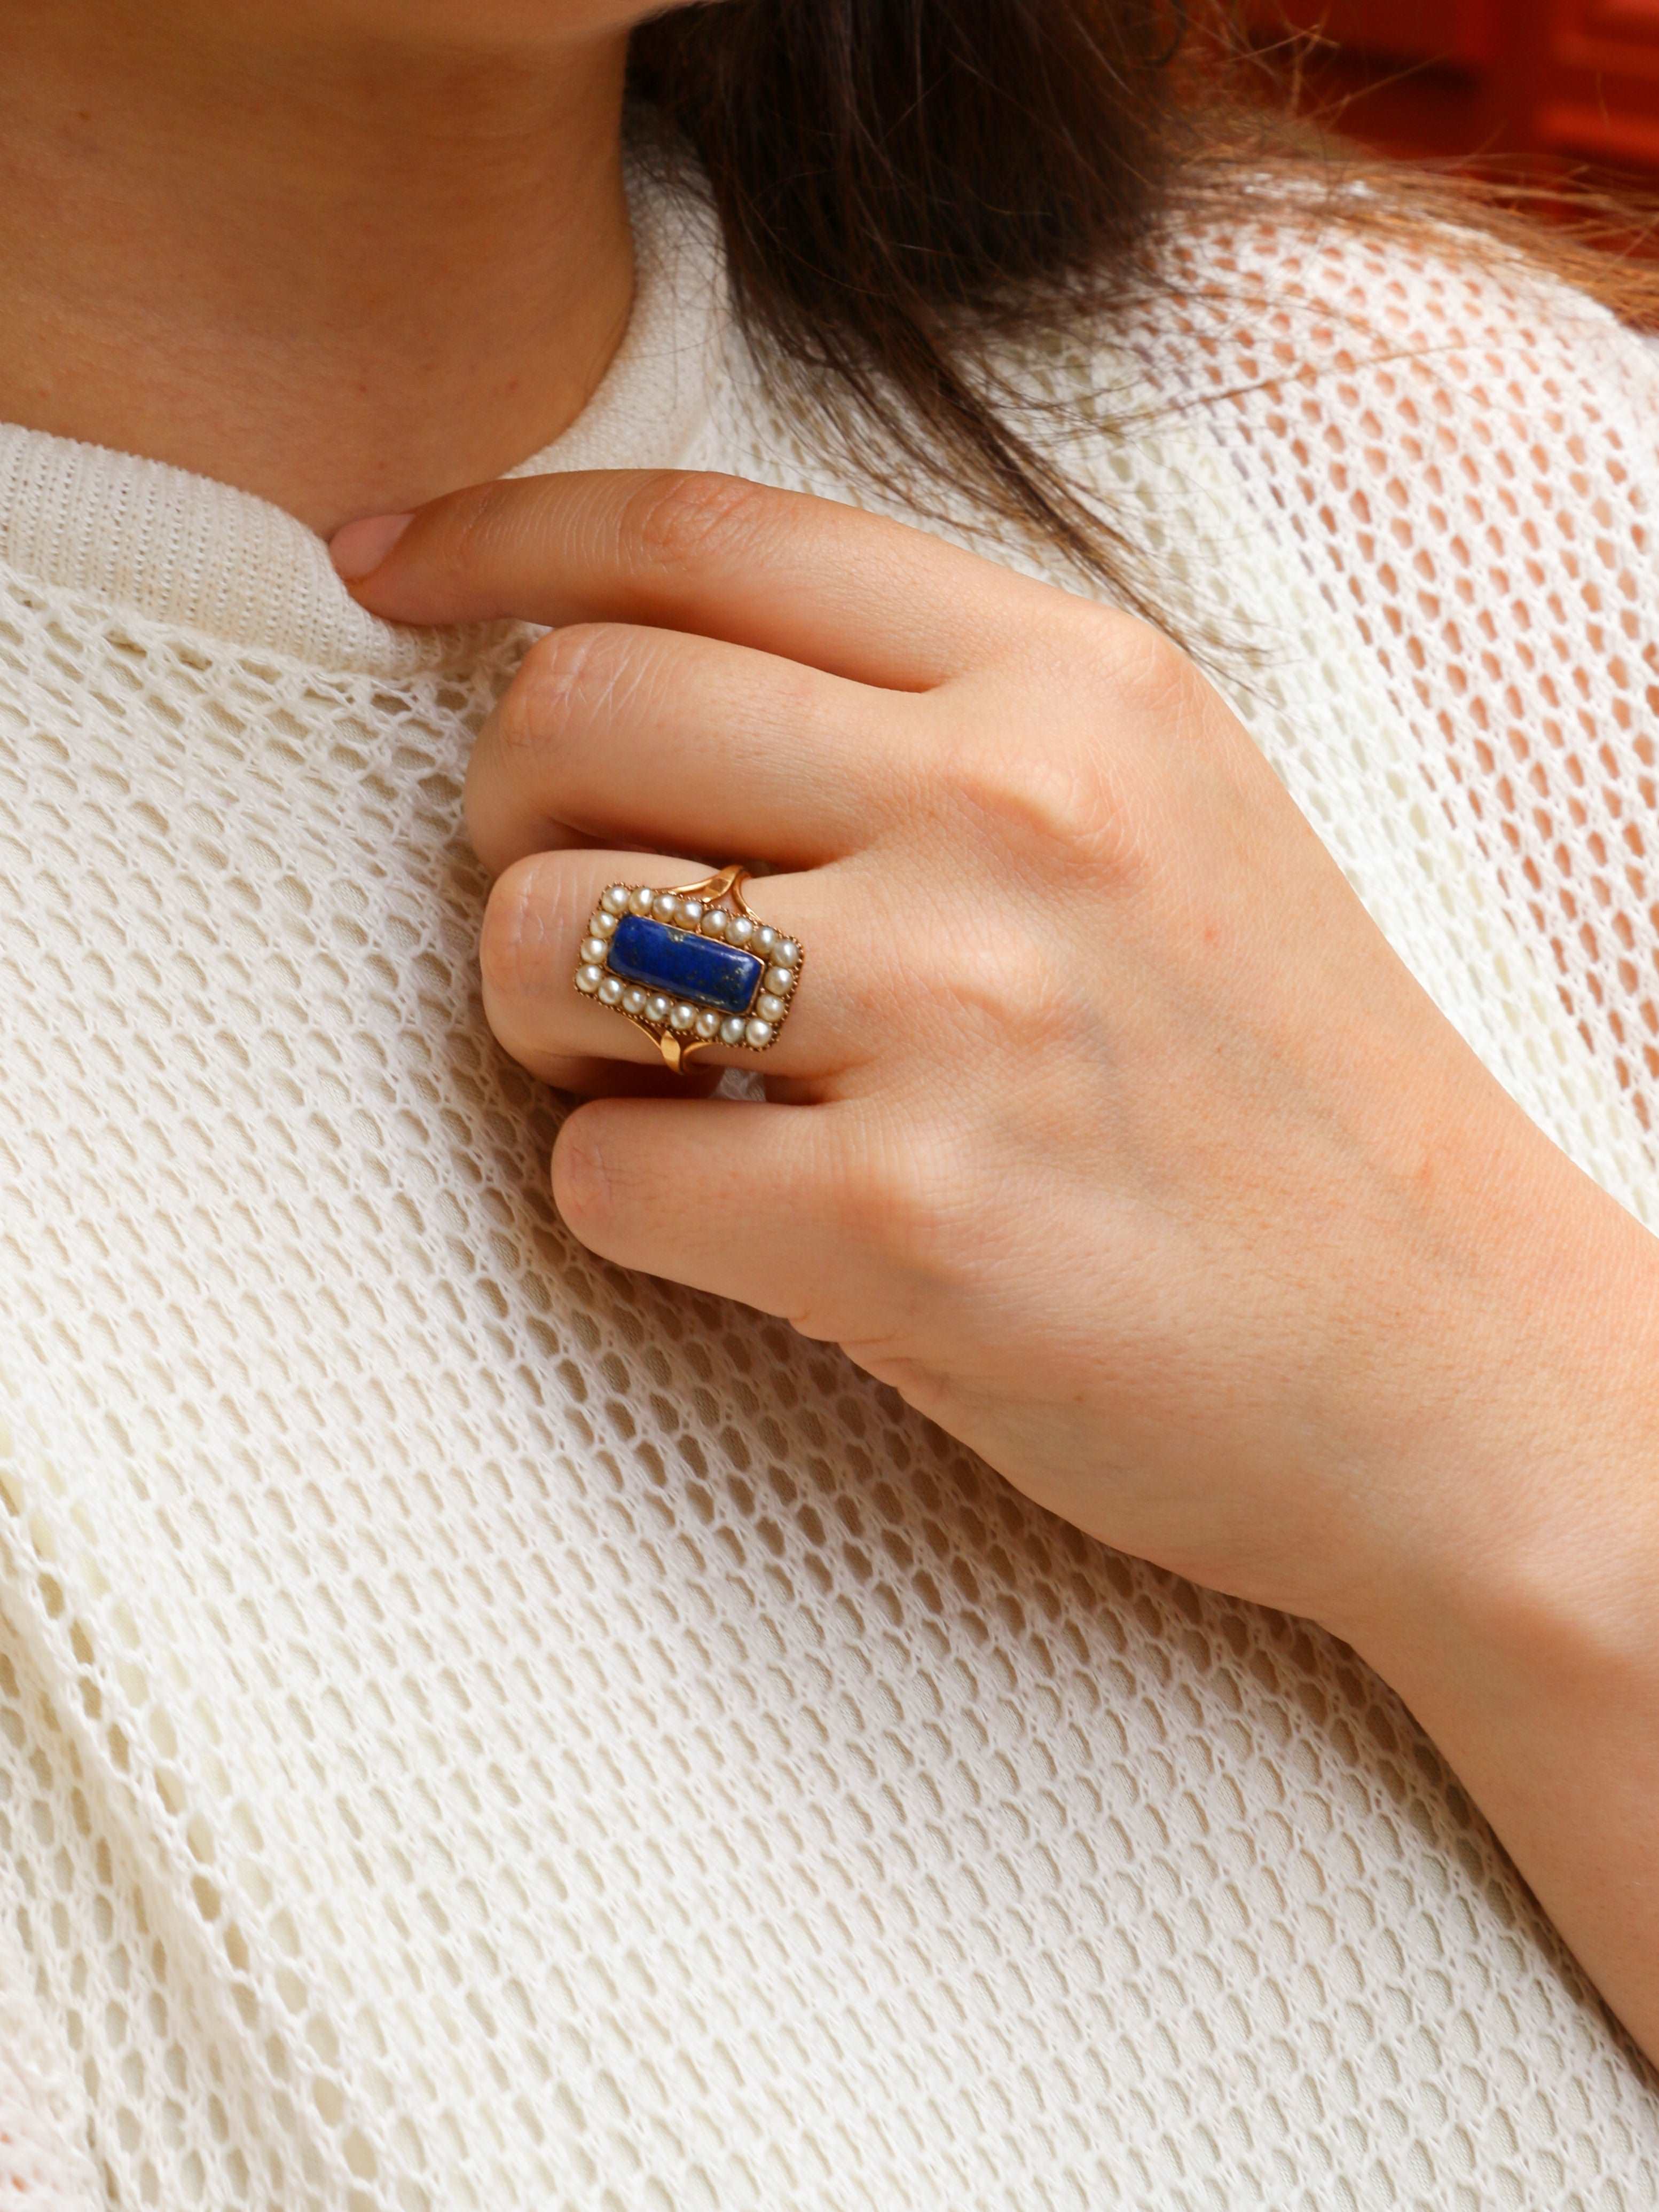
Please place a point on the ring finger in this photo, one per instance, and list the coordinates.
(534, 930)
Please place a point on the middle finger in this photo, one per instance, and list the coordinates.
(653, 738)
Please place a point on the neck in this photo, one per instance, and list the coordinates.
(347, 275)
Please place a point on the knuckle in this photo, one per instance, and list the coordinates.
(564, 681)
(479, 521)
(684, 519)
(526, 929)
(1136, 667)
(998, 995)
(903, 1194)
(1063, 803)
(1075, 794)
(583, 1183)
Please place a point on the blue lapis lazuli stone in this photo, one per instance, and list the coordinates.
(699, 969)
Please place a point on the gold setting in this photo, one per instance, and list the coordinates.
(722, 892)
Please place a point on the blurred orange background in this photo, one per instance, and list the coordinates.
(1556, 86)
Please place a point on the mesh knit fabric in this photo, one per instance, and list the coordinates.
(480, 1730)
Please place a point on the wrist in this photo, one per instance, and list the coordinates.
(1532, 1665)
(1554, 1625)
(1525, 1522)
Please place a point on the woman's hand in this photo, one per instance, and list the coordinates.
(1106, 1127)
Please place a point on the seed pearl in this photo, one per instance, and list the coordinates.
(732, 1029)
(714, 921)
(633, 999)
(740, 929)
(757, 1034)
(615, 900)
(602, 924)
(594, 948)
(768, 1004)
(690, 912)
(589, 979)
(762, 941)
(786, 952)
(641, 900)
(610, 990)
(656, 1007)
(778, 979)
(682, 1018)
(666, 907)
(708, 1024)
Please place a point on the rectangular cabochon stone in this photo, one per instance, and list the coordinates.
(685, 966)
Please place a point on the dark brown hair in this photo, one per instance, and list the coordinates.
(899, 181)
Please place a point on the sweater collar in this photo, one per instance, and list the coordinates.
(148, 539)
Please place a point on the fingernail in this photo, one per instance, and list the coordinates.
(360, 547)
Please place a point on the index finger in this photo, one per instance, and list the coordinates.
(849, 592)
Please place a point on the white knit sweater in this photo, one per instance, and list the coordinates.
(483, 1733)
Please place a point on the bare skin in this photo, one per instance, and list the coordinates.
(345, 255)
(1150, 1173)
(1352, 1339)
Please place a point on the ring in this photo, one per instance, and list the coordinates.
(691, 967)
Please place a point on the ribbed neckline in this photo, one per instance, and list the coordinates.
(158, 541)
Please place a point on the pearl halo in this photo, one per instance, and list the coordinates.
(711, 910)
